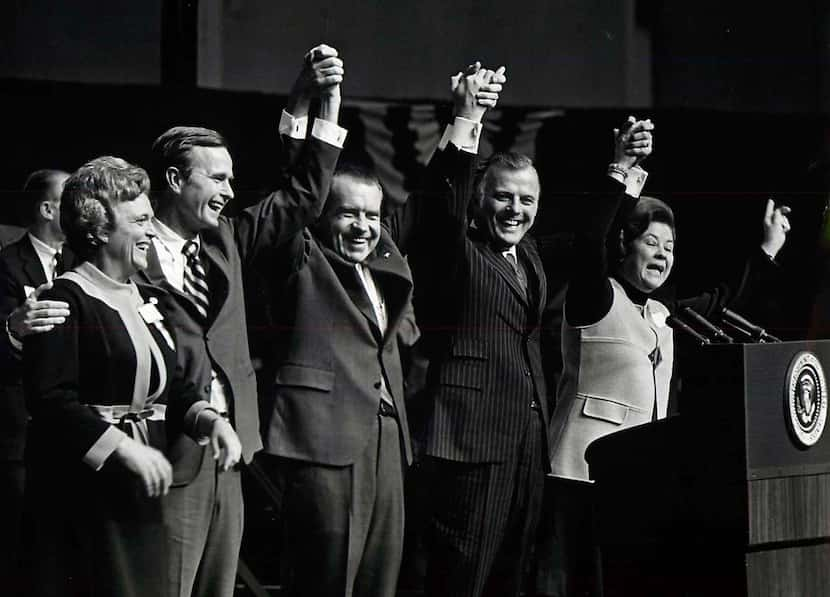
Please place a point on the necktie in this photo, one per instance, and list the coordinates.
(60, 267)
(195, 279)
(520, 276)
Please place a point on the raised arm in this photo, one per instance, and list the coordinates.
(438, 211)
(589, 295)
(305, 178)
(753, 287)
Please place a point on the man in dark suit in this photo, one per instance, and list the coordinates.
(338, 302)
(198, 255)
(480, 297)
(27, 267)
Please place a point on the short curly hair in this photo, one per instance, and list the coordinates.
(89, 196)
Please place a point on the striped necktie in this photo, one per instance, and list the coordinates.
(195, 279)
(60, 266)
(520, 276)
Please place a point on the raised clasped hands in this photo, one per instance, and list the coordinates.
(320, 76)
(776, 225)
(35, 316)
(633, 142)
(475, 90)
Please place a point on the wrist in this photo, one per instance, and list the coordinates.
(468, 113)
(770, 249)
(618, 171)
(330, 108)
(330, 94)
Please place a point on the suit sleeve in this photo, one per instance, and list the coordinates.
(305, 181)
(751, 289)
(52, 385)
(433, 222)
(589, 294)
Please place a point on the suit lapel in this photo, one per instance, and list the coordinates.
(350, 280)
(218, 276)
(537, 288)
(154, 276)
(386, 266)
(30, 263)
(505, 270)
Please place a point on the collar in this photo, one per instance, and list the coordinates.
(43, 250)
(98, 278)
(511, 251)
(170, 240)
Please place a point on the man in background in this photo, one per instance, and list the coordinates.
(27, 267)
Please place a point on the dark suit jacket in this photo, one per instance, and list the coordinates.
(322, 374)
(223, 343)
(19, 267)
(480, 332)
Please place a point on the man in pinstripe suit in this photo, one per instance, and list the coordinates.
(480, 293)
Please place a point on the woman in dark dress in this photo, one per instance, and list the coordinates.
(97, 388)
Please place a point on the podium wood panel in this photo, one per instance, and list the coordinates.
(720, 501)
(800, 571)
(789, 509)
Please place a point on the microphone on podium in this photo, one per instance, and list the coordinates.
(718, 334)
(757, 333)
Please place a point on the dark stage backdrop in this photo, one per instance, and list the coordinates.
(715, 168)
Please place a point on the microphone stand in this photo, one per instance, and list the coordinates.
(707, 325)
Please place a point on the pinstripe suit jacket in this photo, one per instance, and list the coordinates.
(481, 334)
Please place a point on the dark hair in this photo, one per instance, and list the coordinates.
(35, 190)
(637, 221)
(507, 160)
(357, 171)
(173, 148)
(89, 196)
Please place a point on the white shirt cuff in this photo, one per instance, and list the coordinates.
(329, 132)
(464, 134)
(102, 449)
(293, 127)
(635, 181)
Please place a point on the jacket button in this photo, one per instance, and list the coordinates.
(377, 385)
(207, 389)
(527, 373)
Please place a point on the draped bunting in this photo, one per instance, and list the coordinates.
(399, 139)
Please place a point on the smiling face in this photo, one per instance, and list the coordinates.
(508, 205)
(128, 239)
(649, 258)
(203, 188)
(351, 224)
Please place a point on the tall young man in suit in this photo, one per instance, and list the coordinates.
(480, 297)
(27, 267)
(198, 255)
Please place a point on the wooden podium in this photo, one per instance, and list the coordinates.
(723, 499)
